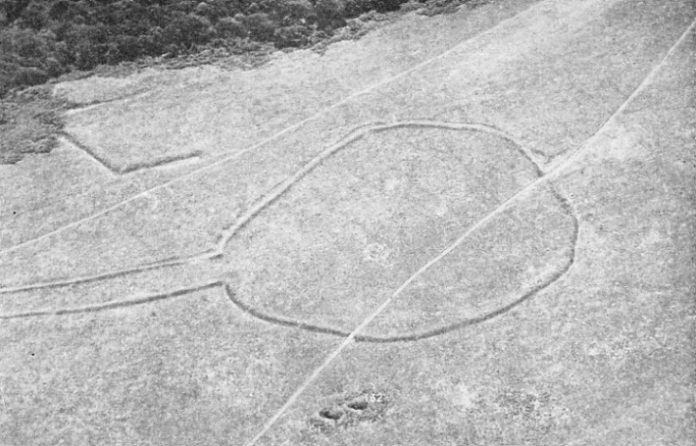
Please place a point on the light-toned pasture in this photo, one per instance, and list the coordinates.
(475, 228)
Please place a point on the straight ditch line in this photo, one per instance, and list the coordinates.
(554, 171)
(113, 274)
(84, 148)
(112, 305)
(123, 170)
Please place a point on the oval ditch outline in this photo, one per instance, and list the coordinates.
(277, 193)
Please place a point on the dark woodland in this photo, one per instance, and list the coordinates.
(43, 39)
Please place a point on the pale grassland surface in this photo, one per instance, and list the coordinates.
(501, 199)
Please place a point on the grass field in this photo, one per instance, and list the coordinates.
(461, 229)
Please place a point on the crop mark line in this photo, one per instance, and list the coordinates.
(555, 170)
(113, 304)
(273, 137)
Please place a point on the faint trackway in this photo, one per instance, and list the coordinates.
(273, 195)
(553, 172)
(272, 138)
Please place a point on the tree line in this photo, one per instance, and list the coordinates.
(41, 39)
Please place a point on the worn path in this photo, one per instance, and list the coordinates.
(467, 229)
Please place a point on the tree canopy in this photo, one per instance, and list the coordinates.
(40, 39)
